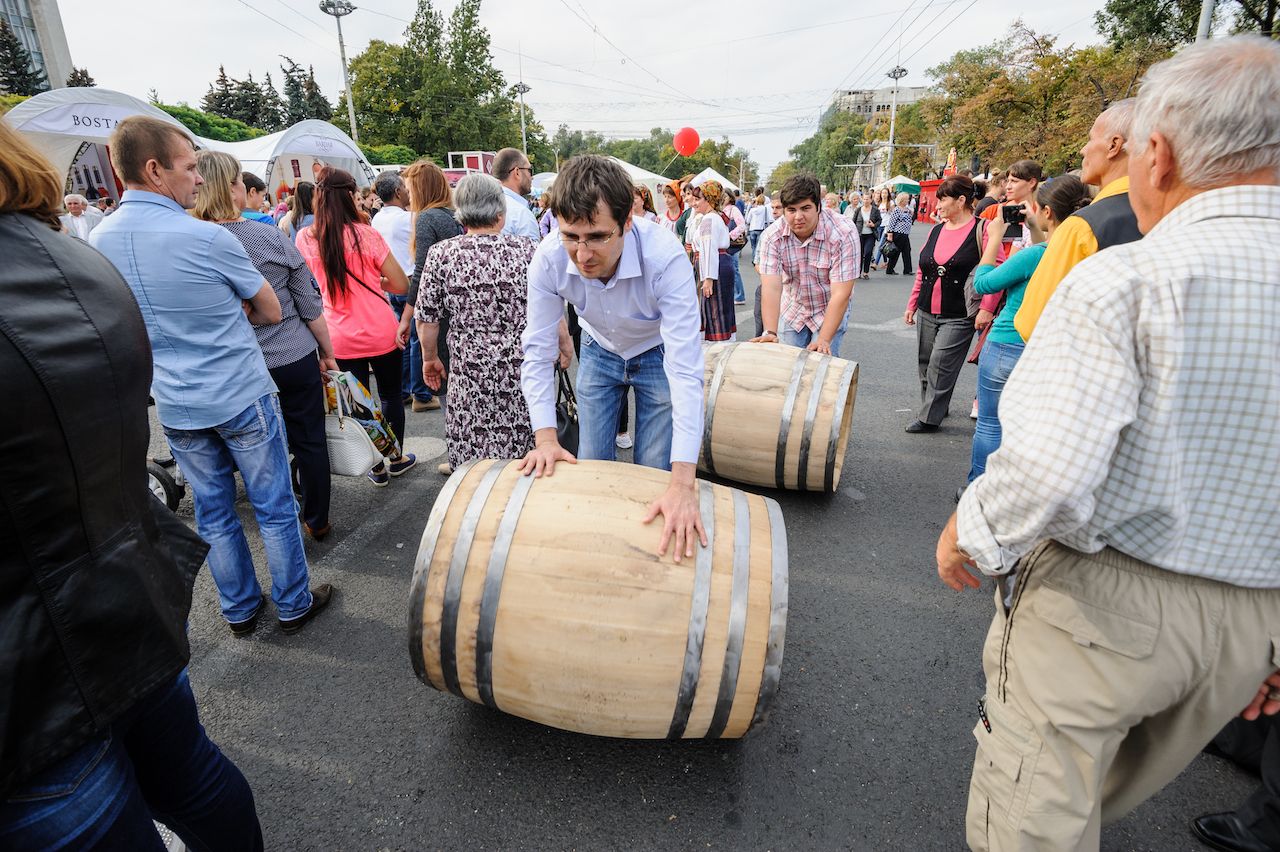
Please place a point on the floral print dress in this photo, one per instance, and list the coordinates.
(480, 281)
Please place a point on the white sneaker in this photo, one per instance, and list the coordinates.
(973, 412)
(623, 441)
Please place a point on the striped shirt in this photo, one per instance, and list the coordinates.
(1142, 415)
(280, 263)
(832, 253)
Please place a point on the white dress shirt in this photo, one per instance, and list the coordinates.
(650, 301)
(395, 224)
(1142, 414)
(520, 221)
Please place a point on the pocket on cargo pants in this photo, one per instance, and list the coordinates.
(1003, 769)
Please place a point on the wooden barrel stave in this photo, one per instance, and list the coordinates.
(540, 657)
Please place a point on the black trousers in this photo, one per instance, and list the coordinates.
(386, 369)
(903, 242)
(868, 251)
(302, 404)
(1256, 745)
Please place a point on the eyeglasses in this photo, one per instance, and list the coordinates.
(589, 243)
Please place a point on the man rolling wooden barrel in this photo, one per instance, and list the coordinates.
(635, 296)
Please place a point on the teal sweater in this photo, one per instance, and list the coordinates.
(1012, 277)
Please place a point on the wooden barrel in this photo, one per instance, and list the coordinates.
(777, 415)
(544, 598)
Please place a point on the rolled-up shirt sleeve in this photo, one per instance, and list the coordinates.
(541, 344)
(682, 359)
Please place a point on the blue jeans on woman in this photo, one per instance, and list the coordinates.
(994, 366)
(739, 291)
(155, 761)
(603, 378)
(411, 368)
(254, 442)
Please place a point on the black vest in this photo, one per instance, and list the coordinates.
(1111, 220)
(953, 273)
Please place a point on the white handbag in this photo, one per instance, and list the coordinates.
(351, 450)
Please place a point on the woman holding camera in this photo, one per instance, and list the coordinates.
(944, 316)
(1020, 187)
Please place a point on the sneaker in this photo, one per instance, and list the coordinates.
(406, 464)
(379, 476)
(244, 628)
(739, 301)
(321, 595)
(623, 441)
(444, 469)
(432, 404)
(973, 412)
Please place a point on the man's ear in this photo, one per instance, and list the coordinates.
(626, 225)
(1115, 147)
(1164, 168)
(151, 170)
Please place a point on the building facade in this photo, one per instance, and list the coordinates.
(870, 103)
(38, 25)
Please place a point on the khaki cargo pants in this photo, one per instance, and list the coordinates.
(1104, 679)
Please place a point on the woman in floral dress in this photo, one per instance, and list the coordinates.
(480, 281)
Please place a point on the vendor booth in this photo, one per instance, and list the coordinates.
(711, 174)
(644, 177)
(282, 159)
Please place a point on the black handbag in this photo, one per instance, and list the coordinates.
(566, 412)
(889, 251)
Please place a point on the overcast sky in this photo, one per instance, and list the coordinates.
(761, 77)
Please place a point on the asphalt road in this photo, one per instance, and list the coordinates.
(868, 748)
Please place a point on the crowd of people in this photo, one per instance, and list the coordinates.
(1120, 491)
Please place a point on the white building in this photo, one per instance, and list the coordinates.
(873, 102)
(38, 26)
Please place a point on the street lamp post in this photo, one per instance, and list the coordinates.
(521, 89)
(338, 9)
(897, 74)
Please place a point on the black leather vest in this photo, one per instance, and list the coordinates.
(95, 574)
(1111, 220)
(953, 273)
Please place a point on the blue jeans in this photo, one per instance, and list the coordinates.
(739, 291)
(994, 366)
(254, 442)
(602, 382)
(753, 237)
(411, 368)
(803, 337)
(156, 762)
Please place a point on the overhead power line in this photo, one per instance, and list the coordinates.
(278, 22)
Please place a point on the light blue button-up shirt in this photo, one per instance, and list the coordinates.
(189, 278)
(520, 221)
(651, 300)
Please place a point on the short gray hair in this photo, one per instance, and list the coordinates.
(75, 196)
(478, 201)
(1218, 103)
(387, 185)
(1117, 118)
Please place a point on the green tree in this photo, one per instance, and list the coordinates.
(317, 105)
(247, 100)
(837, 142)
(389, 155)
(272, 115)
(780, 173)
(1163, 22)
(80, 77)
(295, 105)
(18, 73)
(220, 99)
(211, 126)
(568, 143)
(910, 127)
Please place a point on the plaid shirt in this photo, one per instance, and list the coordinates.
(898, 221)
(832, 253)
(1142, 414)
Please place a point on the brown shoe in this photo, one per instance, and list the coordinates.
(318, 534)
(432, 404)
(444, 469)
(321, 595)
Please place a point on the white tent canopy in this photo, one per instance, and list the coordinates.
(644, 177)
(72, 125)
(711, 174)
(901, 180)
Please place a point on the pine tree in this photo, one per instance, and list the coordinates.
(247, 101)
(317, 105)
(80, 77)
(295, 105)
(271, 118)
(219, 100)
(18, 74)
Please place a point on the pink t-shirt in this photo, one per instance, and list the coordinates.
(361, 324)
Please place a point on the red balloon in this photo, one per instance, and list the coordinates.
(686, 141)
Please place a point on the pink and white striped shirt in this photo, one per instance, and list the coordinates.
(832, 253)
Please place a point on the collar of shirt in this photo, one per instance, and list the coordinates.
(512, 194)
(628, 264)
(1253, 201)
(1116, 187)
(142, 195)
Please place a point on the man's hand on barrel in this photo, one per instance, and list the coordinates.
(541, 460)
(955, 567)
(678, 506)
(820, 346)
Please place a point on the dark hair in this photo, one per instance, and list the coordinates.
(252, 181)
(506, 161)
(586, 180)
(957, 186)
(800, 187)
(646, 198)
(140, 138)
(301, 203)
(979, 188)
(336, 213)
(387, 185)
(1063, 195)
(1027, 170)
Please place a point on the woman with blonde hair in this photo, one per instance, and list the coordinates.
(290, 347)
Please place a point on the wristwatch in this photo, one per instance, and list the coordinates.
(770, 333)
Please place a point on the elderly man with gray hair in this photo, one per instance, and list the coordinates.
(80, 219)
(1130, 512)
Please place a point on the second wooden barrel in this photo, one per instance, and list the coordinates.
(777, 415)
(544, 598)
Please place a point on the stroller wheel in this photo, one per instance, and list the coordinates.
(164, 486)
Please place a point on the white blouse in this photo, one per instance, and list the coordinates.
(707, 234)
